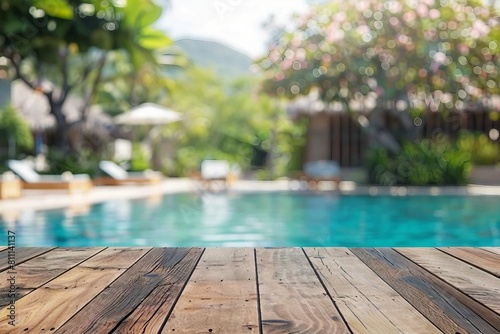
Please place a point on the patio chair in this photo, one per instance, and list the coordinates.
(10, 186)
(214, 172)
(321, 170)
(32, 180)
(115, 175)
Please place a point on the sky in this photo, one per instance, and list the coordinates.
(235, 23)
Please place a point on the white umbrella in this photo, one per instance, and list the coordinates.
(148, 113)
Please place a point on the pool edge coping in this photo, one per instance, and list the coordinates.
(40, 200)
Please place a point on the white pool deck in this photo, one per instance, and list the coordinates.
(53, 199)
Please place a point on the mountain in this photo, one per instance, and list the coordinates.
(224, 61)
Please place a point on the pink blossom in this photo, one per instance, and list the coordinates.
(439, 57)
(334, 34)
(274, 56)
(279, 76)
(364, 29)
(326, 58)
(312, 47)
(422, 10)
(479, 29)
(286, 64)
(403, 39)
(362, 5)
(434, 67)
(395, 7)
(394, 21)
(485, 12)
(339, 17)
(463, 49)
(300, 54)
(296, 41)
(409, 17)
(430, 35)
(434, 14)
(330, 30)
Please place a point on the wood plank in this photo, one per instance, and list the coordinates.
(22, 254)
(2, 248)
(223, 286)
(475, 283)
(442, 304)
(116, 257)
(151, 314)
(292, 299)
(495, 250)
(154, 282)
(480, 258)
(50, 306)
(367, 303)
(38, 271)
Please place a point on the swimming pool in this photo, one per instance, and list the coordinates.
(268, 219)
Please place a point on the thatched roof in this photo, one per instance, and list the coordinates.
(312, 104)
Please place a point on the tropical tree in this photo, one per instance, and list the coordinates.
(123, 86)
(398, 58)
(234, 122)
(58, 47)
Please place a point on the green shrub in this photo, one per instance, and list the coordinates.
(380, 167)
(84, 162)
(13, 126)
(483, 151)
(428, 162)
(139, 161)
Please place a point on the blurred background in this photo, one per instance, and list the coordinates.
(394, 92)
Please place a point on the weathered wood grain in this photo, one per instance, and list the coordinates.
(151, 314)
(367, 303)
(51, 305)
(116, 257)
(480, 258)
(314, 290)
(22, 254)
(495, 250)
(157, 270)
(39, 270)
(436, 300)
(481, 288)
(292, 299)
(221, 296)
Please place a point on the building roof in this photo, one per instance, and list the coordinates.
(34, 107)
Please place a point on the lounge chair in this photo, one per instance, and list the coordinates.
(214, 172)
(115, 175)
(321, 170)
(10, 186)
(32, 180)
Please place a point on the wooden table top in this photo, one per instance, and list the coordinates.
(246, 290)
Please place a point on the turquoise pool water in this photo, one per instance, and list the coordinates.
(269, 219)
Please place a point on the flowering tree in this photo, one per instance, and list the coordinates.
(388, 57)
